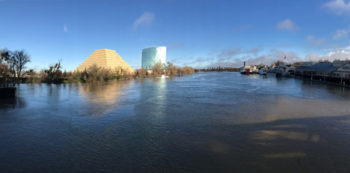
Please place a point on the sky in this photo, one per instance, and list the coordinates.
(198, 33)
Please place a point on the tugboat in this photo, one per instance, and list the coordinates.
(245, 69)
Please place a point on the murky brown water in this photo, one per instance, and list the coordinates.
(207, 122)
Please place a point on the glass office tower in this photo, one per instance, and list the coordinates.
(152, 56)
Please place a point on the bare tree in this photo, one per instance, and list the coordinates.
(19, 59)
(157, 69)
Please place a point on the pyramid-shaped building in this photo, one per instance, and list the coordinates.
(105, 58)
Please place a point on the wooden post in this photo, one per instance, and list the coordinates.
(341, 80)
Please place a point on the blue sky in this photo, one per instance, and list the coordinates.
(199, 33)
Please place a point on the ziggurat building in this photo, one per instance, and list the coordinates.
(105, 58)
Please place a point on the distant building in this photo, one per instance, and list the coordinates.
(340, 63)
(105, 58)
(343, 71)
(308, 63)
(320, 69)
(152, 56)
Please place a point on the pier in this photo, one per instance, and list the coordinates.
(335, 73)
(7, 88)
(7, 92)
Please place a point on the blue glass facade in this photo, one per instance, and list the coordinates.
(152, 56)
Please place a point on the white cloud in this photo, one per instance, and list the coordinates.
(316, 42)
(287, 25)
(340, 54)
(339, 7)
(146, 18)
(273, 56)
(312, 57)
(236, 57)
(341, 33)
(65, 28)
(291, 57)
(331, 55)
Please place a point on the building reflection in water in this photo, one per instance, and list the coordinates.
(99, 99)
(12, 103)
(159, 97)
(152, 98)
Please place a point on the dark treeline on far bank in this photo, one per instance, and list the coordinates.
(13, 70)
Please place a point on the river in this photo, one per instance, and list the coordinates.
(206, 122)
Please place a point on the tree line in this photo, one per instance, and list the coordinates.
(13, 70)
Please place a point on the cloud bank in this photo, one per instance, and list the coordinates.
(338, 7)
(251, 58)
(236, 57)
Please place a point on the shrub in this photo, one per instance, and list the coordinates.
(98, 74)
(54, 73)
(121, 74)
(95, 73)
(171, 70)
(187, 70)
(157, 69)
(141, 73)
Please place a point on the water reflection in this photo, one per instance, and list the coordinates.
(159, 97)
(12, 103)
(284, 155)
(101, 98)
(331, 90)
(152, 105)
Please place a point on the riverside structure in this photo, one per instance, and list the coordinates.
(152, 56)
(336, 72)
(105, 58)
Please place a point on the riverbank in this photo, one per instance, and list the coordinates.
(95, 74)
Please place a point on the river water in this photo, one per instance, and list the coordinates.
(206, 122)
